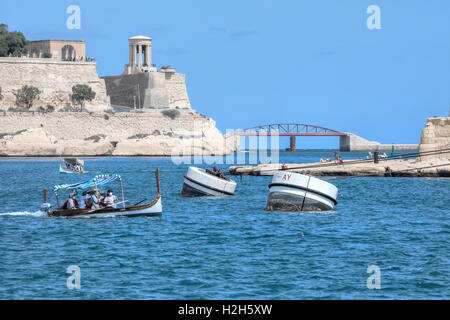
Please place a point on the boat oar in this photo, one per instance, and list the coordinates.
(139, 202)
(110, 205)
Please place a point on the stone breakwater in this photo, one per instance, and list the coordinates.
(435, 136)
(154, 133)
(407, 168)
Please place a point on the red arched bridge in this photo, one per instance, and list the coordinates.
(290, 129)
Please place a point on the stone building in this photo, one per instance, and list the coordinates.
(143, 86)
(59, 49)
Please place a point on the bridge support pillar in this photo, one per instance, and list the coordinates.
(344, 143)
(293, 147)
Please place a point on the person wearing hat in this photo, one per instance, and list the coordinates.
(71, 203)
(92, 200)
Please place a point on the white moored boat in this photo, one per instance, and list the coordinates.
(198, 183)
(291, 191)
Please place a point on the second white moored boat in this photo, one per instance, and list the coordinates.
(198, 182)
(291, 191)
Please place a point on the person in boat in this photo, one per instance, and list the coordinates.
(110, 199)
(71, 203)
(92, 201)
(218, 172)
(101, 199)
(213, 171)
(83, 200)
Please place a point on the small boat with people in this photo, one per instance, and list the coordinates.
(94, 203)
(206, 182)
(290, 191)
(71, 165)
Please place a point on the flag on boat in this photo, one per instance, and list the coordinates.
(98, 180)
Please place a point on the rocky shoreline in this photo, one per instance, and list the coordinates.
(154, 133)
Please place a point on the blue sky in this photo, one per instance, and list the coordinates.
(249, 63)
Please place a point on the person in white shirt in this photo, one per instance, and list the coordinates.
(110, 199)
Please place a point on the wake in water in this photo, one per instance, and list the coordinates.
(25, 213)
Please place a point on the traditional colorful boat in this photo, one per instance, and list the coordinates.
(291, 191)
(71, 165)
(199, 182)
(153, 208)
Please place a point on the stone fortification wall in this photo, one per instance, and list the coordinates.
(123, 89)
(176, 86)
(157, 90)
(54, 79)
(154, 133)
(435, 136)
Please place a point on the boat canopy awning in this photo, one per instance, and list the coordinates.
(74, 161)
(98, 180)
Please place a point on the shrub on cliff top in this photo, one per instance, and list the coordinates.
(96, 138)
(171, 113)
(26, 95)
(48, 109)
(82, 93)
(18, 109)
(138, 136)
(68, 108)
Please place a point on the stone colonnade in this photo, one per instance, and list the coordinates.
(140, 51)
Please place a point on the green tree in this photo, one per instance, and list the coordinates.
(82, 93)
(26, 95)
(13, 43)
(1, 97)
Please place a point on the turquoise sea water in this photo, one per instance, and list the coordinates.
(224, 248)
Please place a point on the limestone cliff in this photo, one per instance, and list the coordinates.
(154, 133)
(435, 136)
(54, 79)
(38, 142)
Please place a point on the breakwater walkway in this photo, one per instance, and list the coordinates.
(424, 166)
